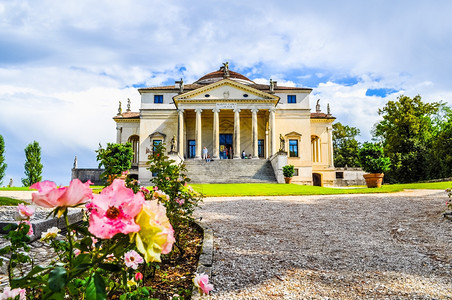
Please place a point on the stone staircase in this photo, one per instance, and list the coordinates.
(230, 171)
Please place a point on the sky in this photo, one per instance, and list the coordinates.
(65, 65)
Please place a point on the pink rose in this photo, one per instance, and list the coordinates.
(25, 212)
(50, 196)
(113, 211)
(138, 276)
(201, 281)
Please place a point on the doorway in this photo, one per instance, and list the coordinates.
(316, 179)
(191, 148)
(225, 146)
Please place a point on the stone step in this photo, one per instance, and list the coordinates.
(230, 171)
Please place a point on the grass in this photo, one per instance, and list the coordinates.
(269, 189)
(9, 201)
(20, 188)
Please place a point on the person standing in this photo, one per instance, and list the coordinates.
(204, 153)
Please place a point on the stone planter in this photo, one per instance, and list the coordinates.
(288, 180)
(374, 180)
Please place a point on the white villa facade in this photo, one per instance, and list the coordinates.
(225, 110)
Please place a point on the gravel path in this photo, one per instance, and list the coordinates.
(381, 246)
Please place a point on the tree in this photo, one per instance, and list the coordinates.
(3, 165)
(441, 152)
(345, 145)
(33, 166)
(116, 158)
(406, 134)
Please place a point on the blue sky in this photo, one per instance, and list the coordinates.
(64, 65)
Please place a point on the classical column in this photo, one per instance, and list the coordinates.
(236, 133)
(118, 134)
(198, 133)
(216, 133)
(181, 133)
(254, 132)
(330, 146)
(272, 131)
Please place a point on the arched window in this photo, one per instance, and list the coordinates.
(135, 141)
(315, 145)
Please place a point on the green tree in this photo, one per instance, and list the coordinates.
(33, 166)
(116, 158)
(345, 145)
(441, 152)
(3, 165)
(406, 134)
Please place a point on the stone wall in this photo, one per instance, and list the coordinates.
(349, 176)
(88, 174)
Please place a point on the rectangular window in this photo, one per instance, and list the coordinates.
(260, 148)
(291, 98)
(293, 148)
(158, 98)
(155, 143)
(295, 172)
(339, 175)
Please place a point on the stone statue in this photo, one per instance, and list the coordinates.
(328, 109)
(75, 162)
(181, 86)
(10, 184)
(119, 109)
(272, 87)
(225, 69)
(173, 144)
(317, 106)
(282, 143)
(128, 104)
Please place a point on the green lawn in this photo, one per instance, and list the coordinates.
(20, 188)
(9, 201)
(268, 189)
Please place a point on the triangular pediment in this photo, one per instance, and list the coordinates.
(225, 90)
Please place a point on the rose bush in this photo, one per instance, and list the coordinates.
(117, 248)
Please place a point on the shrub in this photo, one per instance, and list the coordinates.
(288, 170)
(372, 159)
(116, 158)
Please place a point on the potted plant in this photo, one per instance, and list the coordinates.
(288, 171)
(373, 161)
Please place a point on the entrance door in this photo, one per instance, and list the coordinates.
(225, 143)
(316, 179)
(191, 148)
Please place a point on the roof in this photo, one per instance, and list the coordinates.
(194, 86)
(218, 75)
(127, 115)
(320, 115)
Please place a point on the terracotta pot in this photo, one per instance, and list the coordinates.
(374, 180)
(288, 179)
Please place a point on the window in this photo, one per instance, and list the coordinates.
(155, 143)
(291, 98)
(295, 172)
(339, 175)
(293, 148)
(260, 148)
(134, 140)
(158, 98)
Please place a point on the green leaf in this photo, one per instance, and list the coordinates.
(111, 267)
(96, 288)
(57, 279)
(29, 279)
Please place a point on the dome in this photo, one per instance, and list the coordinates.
(220, 75)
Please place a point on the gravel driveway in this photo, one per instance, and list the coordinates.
(381, 246)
